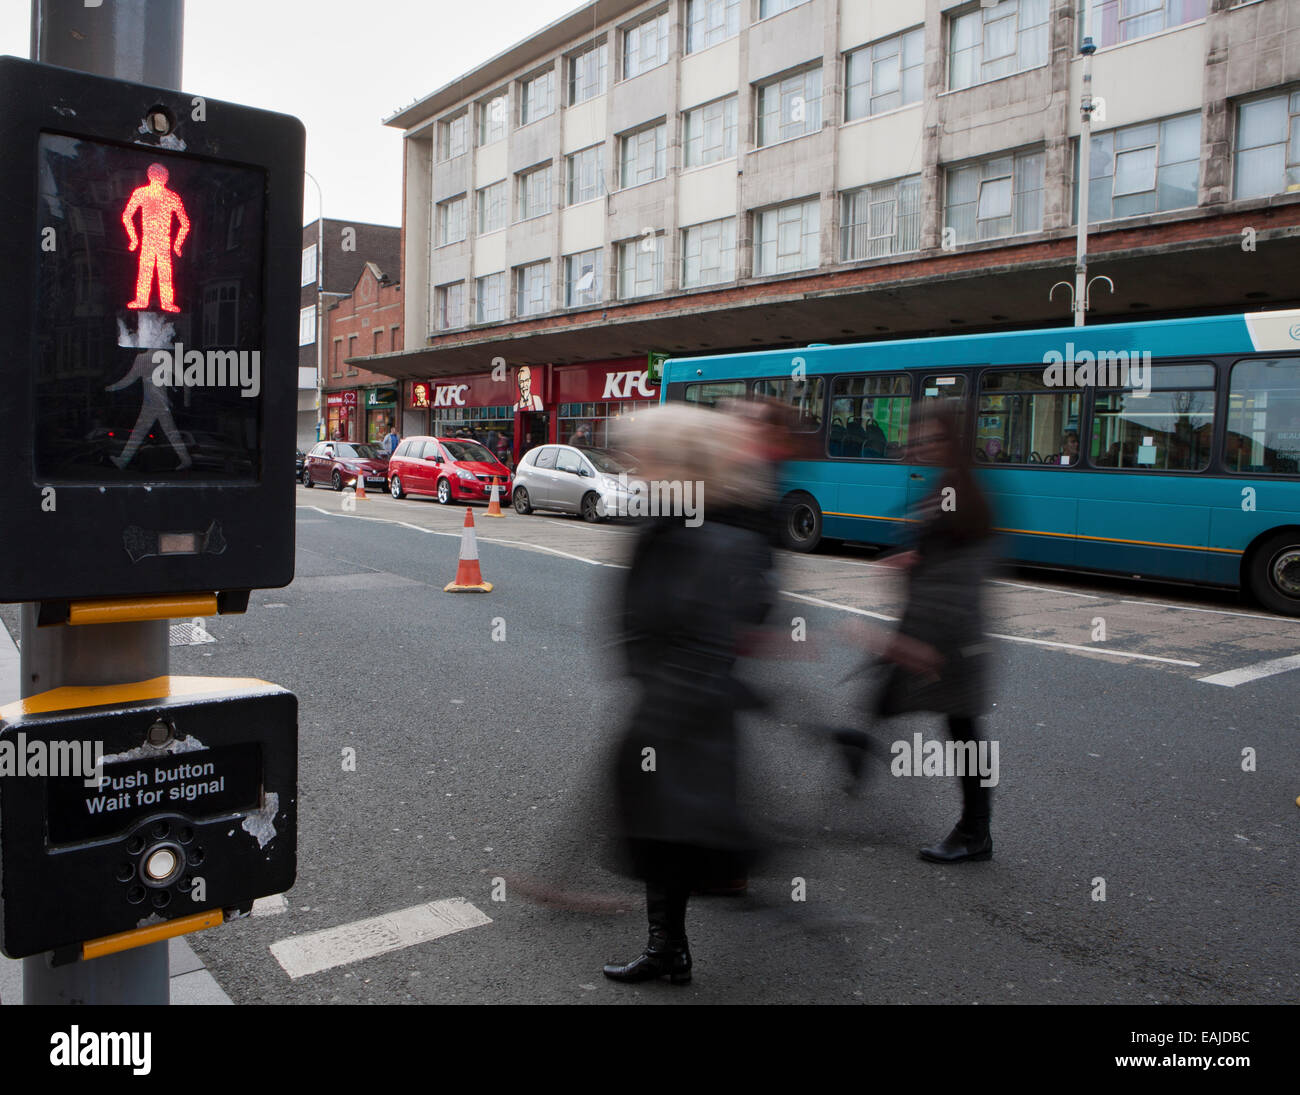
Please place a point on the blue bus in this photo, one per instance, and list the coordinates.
(1166, 449)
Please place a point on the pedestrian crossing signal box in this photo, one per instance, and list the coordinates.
(149, 302)
(126, 807)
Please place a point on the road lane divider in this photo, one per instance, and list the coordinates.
(1233, 677)
(303, 955)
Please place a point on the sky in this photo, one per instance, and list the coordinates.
(341, 66)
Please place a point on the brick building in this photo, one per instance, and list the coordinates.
(360, 405)
(334, 253)
(691, 176)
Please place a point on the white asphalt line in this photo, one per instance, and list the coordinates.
(302, 955)
(1046, 589)
(477, 538)
(1215, 611)
(1234, 677)
(271, 906)
(1009, 638)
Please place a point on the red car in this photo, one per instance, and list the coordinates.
(452, 469)
(338, 463)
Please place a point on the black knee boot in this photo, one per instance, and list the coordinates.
(666, 953)
(969, 839)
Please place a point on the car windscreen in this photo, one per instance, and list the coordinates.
(357, 452)
(468, 450)
(610, 463)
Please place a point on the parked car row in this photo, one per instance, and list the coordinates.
(593, 483)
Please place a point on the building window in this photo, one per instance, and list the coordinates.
(451, 306)
(451, 221)
(587, 72)
(1115, 21)
(492, 117)
(307, 326)
(453, 136)
(352, 352)
(787, 238)
(338, 357)
(989, 42)
(709, 22)
(645, 46)
(534, 193)
(998, 197)
(490, 298)
(768, 8)
(1268, 146)
(881, 220)
(709, 132)
(884, 76)
(709, 253)
(584, 179)
(1142, 169)
(641, 267)
(584, 278)
(790, 108)
(643, 156)
(491, 201)
(532, 289)
(221, 313)
(379, 340)
(308, 264)
(537, 97)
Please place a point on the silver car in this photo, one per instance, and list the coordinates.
(592, 482)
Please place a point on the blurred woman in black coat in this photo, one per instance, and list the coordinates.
(691, 595)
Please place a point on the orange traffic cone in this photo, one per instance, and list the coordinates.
(361, 486)
(494, 504)
(469, 579)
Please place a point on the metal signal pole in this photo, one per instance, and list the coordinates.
(140, 41)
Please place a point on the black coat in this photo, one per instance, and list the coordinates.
(945, 609)
(690, 592)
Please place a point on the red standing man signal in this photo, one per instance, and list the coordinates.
(157, 205)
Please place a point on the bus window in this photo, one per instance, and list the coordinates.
(1264, 417)
(710, 395)
(1168, 428)
(803, 397)
(869, 416)
(1022, 421)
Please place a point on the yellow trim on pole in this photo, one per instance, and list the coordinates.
(135, 609)
(72, 697)
(154, 933)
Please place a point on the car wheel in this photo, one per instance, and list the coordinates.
(590, 508)
(444, 491)
(522, 504)
(801, 524)
(306, 479)
(395, 487)
(1274, 574)
(336, 480)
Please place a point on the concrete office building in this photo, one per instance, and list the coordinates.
(703, 175)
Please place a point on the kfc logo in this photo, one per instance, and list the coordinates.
(621, 385)
(448, 395)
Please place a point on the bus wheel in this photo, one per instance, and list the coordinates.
(801, 528)
(1275, 572)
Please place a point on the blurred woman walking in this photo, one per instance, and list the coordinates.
(691, 594)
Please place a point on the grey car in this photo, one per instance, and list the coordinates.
(592, 482)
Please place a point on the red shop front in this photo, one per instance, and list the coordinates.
(526, 406)
(341, 420)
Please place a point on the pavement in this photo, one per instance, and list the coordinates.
(450, 768)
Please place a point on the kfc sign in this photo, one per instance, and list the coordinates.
(450, 395)
(420, 396)
(627, 385)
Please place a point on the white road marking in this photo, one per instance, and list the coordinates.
(1009, 638)
(1046, 589)
(271, 906)
(301, 955)
(1234, 677)
(1214, 611)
